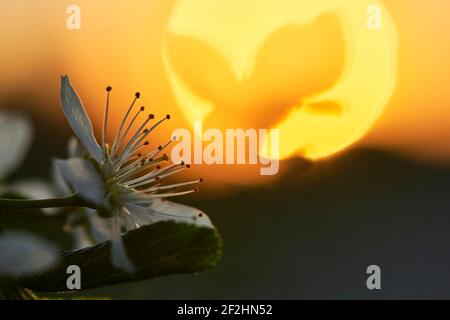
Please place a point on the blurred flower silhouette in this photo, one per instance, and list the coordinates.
(120, 181)
(22, 254)
(15, 139)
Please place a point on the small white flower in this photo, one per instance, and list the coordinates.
(123, 182)
(15, 138)
(22, 254)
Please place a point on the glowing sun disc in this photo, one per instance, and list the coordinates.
(237, 30)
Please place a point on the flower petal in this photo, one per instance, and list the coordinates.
(58, 182)
(15, 138)
(80, 238)
(82, 176)
(79, 119)
(87, 228)
(22, 254)
(99, 228)
(163, 210)
(119, 257)
(75, 149)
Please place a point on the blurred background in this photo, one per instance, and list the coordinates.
(364, 114)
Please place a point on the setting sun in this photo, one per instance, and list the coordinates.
(315, 69)
(202, 153)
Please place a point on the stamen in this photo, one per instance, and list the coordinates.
(142, 169)
(135, 140)
(172, 173)
(136, 96)
(146, 143)
(138, 169)
(143, 132)
(105, 119)
(128, 150)
(148, 158)
(172, 186)
(161, 174)
(162, 148)
(133, 158)
(122, 138)
(174, 194)
(151, 129)
(144, 180)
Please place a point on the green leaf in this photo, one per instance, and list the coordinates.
(159, 249)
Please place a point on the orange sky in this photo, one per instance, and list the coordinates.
(418, 118)
(120, 44)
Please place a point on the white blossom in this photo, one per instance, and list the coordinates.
(123, 180)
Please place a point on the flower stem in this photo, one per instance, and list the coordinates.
(70, 201)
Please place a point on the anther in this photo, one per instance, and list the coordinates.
(151, 116)
(168, 116)
(108, 88)
(160, 148)
(142, 108)
(146, 143)
(137, 95)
